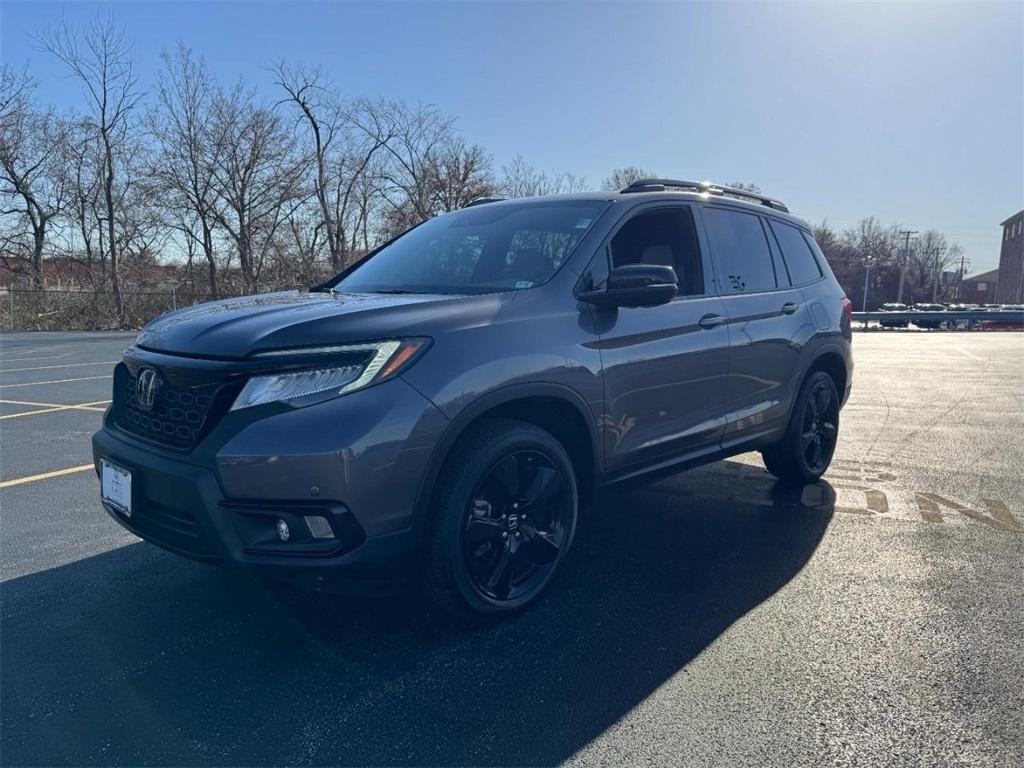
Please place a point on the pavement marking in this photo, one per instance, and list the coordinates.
(57, 381)
(973, 356)
(44, 476)
(65, 365)
(10, 359)
(52, 408)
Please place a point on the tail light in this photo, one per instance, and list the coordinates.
(847, 322)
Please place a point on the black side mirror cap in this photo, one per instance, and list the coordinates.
(636, 285)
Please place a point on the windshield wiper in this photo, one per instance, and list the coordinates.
(393, 291)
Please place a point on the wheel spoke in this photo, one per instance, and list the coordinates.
(499, 582)
(481, 530)
(522, 560)
(806, 439)
(504, 480)
(822, 400)
(816, 455)
(545, 484)
(543, 545)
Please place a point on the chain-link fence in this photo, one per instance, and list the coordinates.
(84, 310)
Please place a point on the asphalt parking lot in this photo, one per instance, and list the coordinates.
(707, 619)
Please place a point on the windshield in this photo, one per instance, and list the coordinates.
(487, 248)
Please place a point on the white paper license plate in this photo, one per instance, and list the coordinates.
(116, 487)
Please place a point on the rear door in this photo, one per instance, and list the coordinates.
(767, 321)
(664, 367)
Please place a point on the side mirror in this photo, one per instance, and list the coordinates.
(636, 285)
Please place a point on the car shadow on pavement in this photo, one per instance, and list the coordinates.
(137, 657)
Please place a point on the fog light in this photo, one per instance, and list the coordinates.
(319, 527)
(282, 530)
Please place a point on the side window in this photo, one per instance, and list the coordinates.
(666, 237)
(740, 243)
(803, 267)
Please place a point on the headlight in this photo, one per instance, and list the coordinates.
(359, 366)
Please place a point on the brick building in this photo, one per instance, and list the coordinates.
(1010, 286)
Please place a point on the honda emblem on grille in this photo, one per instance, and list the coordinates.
(146, 387)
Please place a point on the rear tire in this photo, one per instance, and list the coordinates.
(502, 520)
(805, 452)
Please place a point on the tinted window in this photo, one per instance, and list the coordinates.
(741, 246)
(803, 268)
(493, 247)
(666, 237)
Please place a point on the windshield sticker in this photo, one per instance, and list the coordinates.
(583, 223)
(524, 284)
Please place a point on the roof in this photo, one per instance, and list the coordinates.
(984, 277)
(1017, 215)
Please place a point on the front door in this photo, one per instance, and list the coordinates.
(664, 367)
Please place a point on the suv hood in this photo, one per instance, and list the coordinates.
(235, 328)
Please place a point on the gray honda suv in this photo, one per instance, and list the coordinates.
(437, 413)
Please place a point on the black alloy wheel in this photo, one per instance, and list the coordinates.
(515, 526)
(820, 427)
(805, 451)
(503, 518)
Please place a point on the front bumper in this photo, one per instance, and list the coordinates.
(356, 461)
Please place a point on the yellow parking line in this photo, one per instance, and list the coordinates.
(52, 405)
(52, 408)
(56, 381)
(44, 476)
(65, 365)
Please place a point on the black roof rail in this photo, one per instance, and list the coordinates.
(483, 201)
(706, 187)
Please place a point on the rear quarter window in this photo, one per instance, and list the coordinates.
(796, 251)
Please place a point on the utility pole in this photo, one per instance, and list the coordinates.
(960, 278)
(867, 273)
(934, 253)
(906, 258)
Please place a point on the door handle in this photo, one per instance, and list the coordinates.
(710, 321)
(789, 308)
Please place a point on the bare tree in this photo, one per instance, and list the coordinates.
(82, 169)
(621, 178)
(101, 59)
(343, 139)
(931, 256)
(521, 179)
(14, 88)
(187, 147)
(31, 185)
(258, 177)
(416, 136)
(459, 173)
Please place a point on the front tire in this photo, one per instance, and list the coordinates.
(504, 516)
(805, 452)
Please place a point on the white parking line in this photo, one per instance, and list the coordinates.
(56, 381)
(10, 359)
(66, 365)
(963, 351)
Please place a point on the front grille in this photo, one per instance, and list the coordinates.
(180, 414)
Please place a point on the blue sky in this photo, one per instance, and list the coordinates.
(908, 112)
